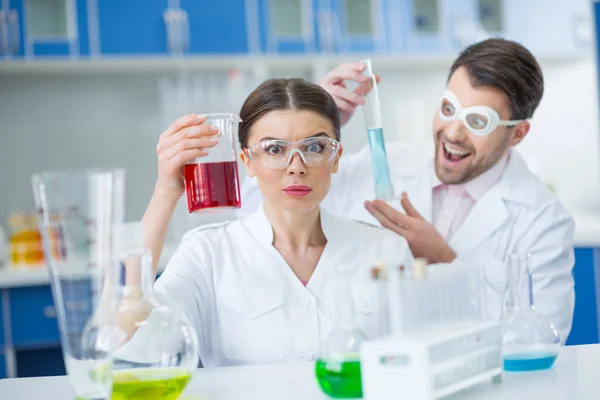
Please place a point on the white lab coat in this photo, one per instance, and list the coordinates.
(248, 306)
(518, 214)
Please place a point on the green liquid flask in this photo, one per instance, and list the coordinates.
(158, 350)
(338, 368)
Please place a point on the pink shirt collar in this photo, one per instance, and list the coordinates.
(477, 186)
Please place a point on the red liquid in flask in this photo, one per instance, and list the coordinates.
(212, 186)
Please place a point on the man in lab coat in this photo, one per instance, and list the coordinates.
(472, 195)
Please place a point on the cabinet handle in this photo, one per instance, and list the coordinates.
(185, 30)
(3, 33)
(49, 312)
(582, 30)
(178, 32)
(328, 34)
(15, 34)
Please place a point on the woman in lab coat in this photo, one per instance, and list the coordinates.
(260, 289)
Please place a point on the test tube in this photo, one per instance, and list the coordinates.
(394, 292)
(372, 113)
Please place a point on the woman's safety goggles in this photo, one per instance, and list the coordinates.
(479, 120)
(278, 154)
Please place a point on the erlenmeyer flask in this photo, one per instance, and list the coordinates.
(530, 341)
(338, 368)
(158, 351)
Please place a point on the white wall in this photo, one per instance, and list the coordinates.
(84, 120)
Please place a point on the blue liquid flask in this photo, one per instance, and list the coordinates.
(384, 189)
(530, 341)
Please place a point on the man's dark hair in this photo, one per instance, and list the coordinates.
(508, 67)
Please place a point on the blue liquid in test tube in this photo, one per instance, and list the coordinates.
(372, 112)
(381, 171)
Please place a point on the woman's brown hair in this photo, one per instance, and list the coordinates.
(287, 94)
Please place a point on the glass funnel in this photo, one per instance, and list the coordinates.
(530, 341)
(157, 351)
(338, 368)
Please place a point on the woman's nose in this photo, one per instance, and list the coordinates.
(296, 165)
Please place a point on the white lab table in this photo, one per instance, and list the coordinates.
(575, 376)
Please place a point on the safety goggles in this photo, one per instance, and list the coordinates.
(278, 154)
(479, 120)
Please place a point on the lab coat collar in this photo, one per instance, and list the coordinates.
(517, 184)
(260, 227)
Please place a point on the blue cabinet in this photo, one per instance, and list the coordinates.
(40, 362)
(3, 322)
(132, 27)
(217, 26)
(363, 26)
(152, 28)
(432, 26)
(564, 27)
(287, 26)
(55, 28)
(33, 317)
(585, 319)
(2, 365)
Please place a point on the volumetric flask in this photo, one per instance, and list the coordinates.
(212, 183)
(530, 341)
(372, 113)
(77, 210)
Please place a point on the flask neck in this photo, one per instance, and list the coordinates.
(138, 273)
(519, 288)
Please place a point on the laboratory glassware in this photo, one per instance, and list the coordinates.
(212, 182)
(530, 341)
(338, 367)
(384, 189)
(158, 350)
(77, 210)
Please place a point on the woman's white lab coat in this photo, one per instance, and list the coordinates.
(246, 303)
(518, 214)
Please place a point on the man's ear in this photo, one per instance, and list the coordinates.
(519, 132)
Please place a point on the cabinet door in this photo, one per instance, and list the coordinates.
(132, 27)
(3, 296)
(55, 28)
(422, 26)
(217, 27)
(287, 26)
(585, 319)
(40, 362)
(563, 28)
(2, 365)
(432, 26)
(33, 317)
(363, 25)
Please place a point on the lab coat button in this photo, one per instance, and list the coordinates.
(309, 356)
(306, 301)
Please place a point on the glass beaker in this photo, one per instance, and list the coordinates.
(384, 189)
(212, 182)
(77, 210)
(530, 341)
(159, 351)
(338, 368)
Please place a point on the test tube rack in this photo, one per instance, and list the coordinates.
(434, 365)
